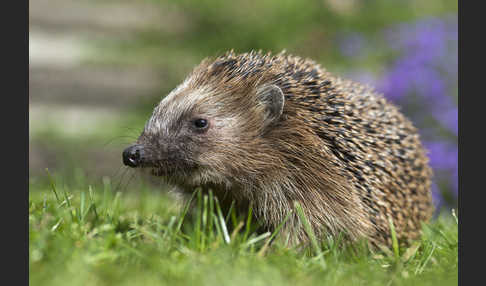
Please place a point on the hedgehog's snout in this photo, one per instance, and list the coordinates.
(133, 156)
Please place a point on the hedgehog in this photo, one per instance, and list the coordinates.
(272, 130)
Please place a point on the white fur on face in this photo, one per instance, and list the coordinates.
(172, 107)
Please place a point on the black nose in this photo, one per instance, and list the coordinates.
(132, 156)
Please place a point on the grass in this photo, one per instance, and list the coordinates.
(93, 235)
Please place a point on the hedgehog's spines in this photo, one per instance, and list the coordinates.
(350, 157)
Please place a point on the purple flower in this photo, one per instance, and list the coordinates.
(443, 159)
(447, 114)
(429, 36)
(442, 154)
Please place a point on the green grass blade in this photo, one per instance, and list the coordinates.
(396, 250)
(310, 233)
(222, 223)
(53, 186)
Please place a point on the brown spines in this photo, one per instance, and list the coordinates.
(348, 156)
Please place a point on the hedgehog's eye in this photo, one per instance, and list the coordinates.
(200, 123)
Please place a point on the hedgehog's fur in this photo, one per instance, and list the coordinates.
(348, 156)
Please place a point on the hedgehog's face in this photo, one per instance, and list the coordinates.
(189, 132)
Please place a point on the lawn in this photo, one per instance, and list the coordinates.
(94, 235)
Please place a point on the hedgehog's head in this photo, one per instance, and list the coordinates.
(211, 127)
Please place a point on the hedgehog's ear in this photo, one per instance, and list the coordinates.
(272, 97)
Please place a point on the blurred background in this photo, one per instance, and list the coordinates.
(97, 68)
